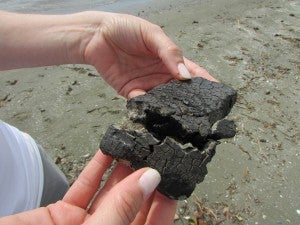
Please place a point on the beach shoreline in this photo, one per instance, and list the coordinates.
(63, 7)
(252, 46)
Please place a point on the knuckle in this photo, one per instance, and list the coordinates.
(157, 28)
(152, 223)
(173, 49)
(170, 50)
(127, 207)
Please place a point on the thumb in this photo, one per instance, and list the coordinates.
(122, 203)
(161, 45)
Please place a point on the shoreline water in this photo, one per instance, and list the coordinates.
(63, 7)
(252, 46)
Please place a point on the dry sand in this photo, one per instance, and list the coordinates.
(252, 46)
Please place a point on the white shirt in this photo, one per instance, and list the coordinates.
(21, 171)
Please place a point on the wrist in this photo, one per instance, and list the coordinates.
(43, 40)
(78, 35)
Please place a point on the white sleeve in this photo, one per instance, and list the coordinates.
(21, 171)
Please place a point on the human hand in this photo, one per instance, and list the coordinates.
(134, 55)
(124, 199)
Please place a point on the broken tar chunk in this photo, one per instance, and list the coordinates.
(181, 122)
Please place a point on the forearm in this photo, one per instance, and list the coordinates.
(42, 40)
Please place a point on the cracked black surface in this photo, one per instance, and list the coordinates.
(183, 122)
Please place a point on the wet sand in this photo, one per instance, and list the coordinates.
(252, 46)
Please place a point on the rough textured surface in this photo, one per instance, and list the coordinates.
(184, 110)
(178, 140)
(181, 167)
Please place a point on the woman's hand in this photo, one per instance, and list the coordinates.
(134, 55)
(126, 198)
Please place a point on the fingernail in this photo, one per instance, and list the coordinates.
(149, 181)
(183, 71)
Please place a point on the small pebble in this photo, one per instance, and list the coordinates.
(186, 102)
(86, 155)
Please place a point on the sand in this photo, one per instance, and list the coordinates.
(252, 46)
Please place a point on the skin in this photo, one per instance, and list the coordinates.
(109, 205)
(133, 56)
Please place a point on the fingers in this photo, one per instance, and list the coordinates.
(142, 215)
(160, 44)
(119, 173)
(135, 92)
(198, 71)
(181, 68)
(133, 88)
(87, 184)
(162, 210)
(122, 203)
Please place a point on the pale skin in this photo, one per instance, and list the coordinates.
(121, 200)
(133, 56)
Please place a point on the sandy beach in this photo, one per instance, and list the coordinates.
(253, 46)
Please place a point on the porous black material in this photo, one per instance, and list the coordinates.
(178, 139)
(223, 129)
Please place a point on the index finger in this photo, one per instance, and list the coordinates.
(198, 71)
(163, 47)
(87, 184)
(162, 210)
